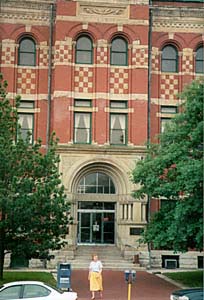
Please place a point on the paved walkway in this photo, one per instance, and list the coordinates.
(147, 286)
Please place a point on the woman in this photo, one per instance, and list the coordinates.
(95, 276)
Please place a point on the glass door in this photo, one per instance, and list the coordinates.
(96, 227)
(96, 222)
(108, 228)
(84, 227)
(96, 230)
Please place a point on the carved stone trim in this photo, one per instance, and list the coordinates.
(103, 10)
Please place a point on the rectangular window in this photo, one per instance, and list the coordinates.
(136, 230)
(118, 129)
(166, 111)
(118, 104)
(26, 120)
(26, 104)
(82, 103)
(82, 128)
(169, 109)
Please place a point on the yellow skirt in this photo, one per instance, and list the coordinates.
(96, 282)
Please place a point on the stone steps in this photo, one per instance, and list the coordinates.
(110, 257)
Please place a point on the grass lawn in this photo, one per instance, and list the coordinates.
(18, 275)
(190, 279)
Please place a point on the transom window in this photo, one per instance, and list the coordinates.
(119, 52)
(118, 104)
(169, 61)
(118, 129)
(169, 109)
(96, 183)
(27, 52)
(84, 49)
(199, 62)
(82, 103)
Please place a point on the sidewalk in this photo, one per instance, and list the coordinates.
(147, 286)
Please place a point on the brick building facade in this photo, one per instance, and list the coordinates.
(104, 75)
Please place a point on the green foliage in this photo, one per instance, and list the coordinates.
(189, 279)
(33, 206)
(172, 170)
(39, 276)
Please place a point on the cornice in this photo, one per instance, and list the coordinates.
(178, 12)
(14, 11)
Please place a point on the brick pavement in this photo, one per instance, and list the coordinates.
(147, 287)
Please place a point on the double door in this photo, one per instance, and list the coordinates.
(96, 227)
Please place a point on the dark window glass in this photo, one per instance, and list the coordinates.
(136, 231)
(84, 50)
(96, 183)
(169, 109)
(169, 59)
(199, 61)
(35, 291)
(27, 52)
(82, 128)
(12, 292)
(119, 53)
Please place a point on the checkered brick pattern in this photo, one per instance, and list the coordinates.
(8, 54)
(44, 55)
(26, 81)
(155, 61)
(83, 80)
(119, 81)
(63, 53)
(140, 57)
(102, 55)
(169, 87)
(187, 64)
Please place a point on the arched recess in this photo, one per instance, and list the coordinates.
(78, 30)
(36, 34)
(164, 39)
(113, 171)
(113, 32)
(196, 42)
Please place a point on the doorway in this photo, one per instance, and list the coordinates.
(96, 226)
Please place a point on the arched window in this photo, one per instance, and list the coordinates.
(96, 183)
(119, 52)
(84, 50)
(169, 61)
(27, 52)
(199, 62)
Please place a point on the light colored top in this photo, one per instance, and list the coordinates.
(95, 266)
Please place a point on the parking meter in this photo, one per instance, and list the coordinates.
(130, 277)
(133, 275)
(64, 276)
(127, 275)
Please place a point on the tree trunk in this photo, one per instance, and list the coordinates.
(2, 252)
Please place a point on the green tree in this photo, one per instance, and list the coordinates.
(173, 170)
(34, 212)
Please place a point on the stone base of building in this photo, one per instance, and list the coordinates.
(156, 259)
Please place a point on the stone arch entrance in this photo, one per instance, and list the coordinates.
(96, 190)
